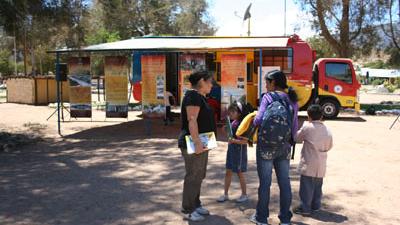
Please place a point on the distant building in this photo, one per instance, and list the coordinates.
(379, 73)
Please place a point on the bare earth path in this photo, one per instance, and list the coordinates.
(113, 173)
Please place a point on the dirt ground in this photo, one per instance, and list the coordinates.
(130, 172)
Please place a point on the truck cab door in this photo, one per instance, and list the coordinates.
(337, 86)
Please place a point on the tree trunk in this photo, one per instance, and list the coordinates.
(324, 28)
(25, 64)
(33, 62)
(397, 45)
(342, 46)
(345, 48)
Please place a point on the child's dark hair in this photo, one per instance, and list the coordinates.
(314, 111)
(242, 108)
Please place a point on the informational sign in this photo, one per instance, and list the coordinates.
(153, 85)
(233, 80)
(188, 64)
(262, 86)
(116, 72)
(79, 77)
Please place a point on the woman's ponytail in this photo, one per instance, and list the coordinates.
(292, 94)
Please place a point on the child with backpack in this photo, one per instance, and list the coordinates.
(276, 120)
(236, 157)
(317, 142)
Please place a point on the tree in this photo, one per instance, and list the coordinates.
(5, 65)
(39, 25)
(390, 23)
(347, 25)
(192, 18)
(132, 18)
(321, 46)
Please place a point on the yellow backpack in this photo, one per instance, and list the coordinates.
(245, 129)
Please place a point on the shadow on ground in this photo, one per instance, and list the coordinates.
(114, 174)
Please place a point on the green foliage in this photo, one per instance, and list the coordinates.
(392, 63)
(97, 64)
(391, 87)
(378, 64)
(321, 46)
(132, 18)
(5, 65)
(346, 25)
(101, 36)
(377, 82)
(394, 59)
(51, 24)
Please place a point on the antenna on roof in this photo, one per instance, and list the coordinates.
(246, 16)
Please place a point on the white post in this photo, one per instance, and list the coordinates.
(284, 32)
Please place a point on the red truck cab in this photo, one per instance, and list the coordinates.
(336, 85)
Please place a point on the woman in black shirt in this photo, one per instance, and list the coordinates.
(197, 117)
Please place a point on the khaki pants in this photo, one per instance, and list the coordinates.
(195, 166)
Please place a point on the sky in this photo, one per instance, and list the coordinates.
(267, 18)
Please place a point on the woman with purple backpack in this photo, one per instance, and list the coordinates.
(277, 125)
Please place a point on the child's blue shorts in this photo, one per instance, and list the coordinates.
(236, 158)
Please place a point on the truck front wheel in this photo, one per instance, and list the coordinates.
(330, 108)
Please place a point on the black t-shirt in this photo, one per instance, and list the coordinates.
(205, 119)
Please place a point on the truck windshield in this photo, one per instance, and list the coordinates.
(339, 71)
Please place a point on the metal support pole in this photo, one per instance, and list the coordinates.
(260, 76)
(98, 88)
(284, 32)
(248, 28)
(58, 91)
(130, 78)
(397, 118)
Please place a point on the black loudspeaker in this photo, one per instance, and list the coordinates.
(63, 72)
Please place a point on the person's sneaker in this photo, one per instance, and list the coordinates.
(284, 223)
(202, 211)
(194, 216)
(299, 210)
(316, 210)
(223, 198)
(253, 219)
(243, 198)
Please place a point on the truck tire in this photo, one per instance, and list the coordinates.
(330, 108)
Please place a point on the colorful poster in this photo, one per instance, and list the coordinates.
(262, 88)
(188, 64)
(116, 75)
(233, 80)
(80, 95)
(153, 85)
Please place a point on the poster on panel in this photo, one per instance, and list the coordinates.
(262, 88)
(188, 64)
(233, 80)
(153, 85)
(80, 86)
(116, 72)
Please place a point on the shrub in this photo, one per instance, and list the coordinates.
(377, 82)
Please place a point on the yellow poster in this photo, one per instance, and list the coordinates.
(233, 80)
(116, 69)
(80, 86)
(153, 85)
